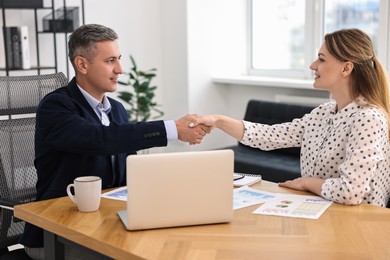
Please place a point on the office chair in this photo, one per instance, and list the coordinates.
(19, 98)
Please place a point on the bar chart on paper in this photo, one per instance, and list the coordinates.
(296, 206)
(308, 209)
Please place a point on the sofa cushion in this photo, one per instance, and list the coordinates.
(272, 166)
(267, 112)
(276, 165)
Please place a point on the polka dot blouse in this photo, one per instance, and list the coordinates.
(348, 149)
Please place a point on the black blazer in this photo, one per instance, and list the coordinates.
(70, 141)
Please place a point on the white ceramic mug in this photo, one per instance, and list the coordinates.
(87, 191)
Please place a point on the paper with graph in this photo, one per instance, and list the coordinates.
(297, 206)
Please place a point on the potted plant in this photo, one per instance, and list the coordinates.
(139, 96)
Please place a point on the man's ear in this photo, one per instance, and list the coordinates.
(347, 69)
(81, 64)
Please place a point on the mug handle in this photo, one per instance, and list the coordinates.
(70, 193)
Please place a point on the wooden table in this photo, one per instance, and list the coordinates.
(342, 232)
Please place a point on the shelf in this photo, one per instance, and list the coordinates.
(26, 8)
(22, 4)
(36, 6)
(43, 32)
(32, 68)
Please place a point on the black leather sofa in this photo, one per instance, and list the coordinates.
(276, 165)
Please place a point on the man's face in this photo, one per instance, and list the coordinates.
(103, 69)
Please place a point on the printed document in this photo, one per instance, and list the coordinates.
(296, 206)
(117, 194)
(245, 197)
(277, 204)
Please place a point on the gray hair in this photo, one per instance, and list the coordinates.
(82, 40)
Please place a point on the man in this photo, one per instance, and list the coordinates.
(80, 131)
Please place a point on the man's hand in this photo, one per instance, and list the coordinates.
(208, 120)
(187, 132)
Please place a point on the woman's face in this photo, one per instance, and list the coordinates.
(328, 71)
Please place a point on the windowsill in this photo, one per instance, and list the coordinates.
(264, 81)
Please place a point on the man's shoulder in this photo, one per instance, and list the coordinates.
(59, 93)
(67, 90)
(65, 96)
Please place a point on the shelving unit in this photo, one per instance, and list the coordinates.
(39, 68)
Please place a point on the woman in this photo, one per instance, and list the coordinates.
(344, 144)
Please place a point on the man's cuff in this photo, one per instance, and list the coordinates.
(170, 127)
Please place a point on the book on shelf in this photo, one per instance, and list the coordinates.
(17, 47)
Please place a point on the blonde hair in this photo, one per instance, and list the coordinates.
(368, 77)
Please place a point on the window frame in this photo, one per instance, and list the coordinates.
(314, 15)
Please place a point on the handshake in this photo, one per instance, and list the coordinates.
(192, 128)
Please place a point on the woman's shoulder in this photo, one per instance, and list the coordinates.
(371, 115)
(327, 106)
(370, 111)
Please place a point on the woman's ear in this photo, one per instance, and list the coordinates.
(347, 69)
(81, 64)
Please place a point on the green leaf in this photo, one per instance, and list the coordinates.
(139, 94)
(133, 63)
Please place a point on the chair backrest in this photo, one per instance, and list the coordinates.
(19, 99)
(21, 94)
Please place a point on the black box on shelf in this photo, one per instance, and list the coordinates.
(21, 3)
(63, 21)
(17, 47)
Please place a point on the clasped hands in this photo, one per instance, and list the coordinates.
(192, 128)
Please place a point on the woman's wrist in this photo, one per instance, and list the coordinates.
(218, 121)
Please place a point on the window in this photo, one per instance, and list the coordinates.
(362, 14)
(286, 34)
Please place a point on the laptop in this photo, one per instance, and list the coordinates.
(178, 189)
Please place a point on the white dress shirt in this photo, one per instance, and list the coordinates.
(103, 108)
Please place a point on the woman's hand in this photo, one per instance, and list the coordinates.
(232, 127)
(208, 120)
(304, 184)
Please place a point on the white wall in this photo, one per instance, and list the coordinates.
(188, 42)
(216, 41)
